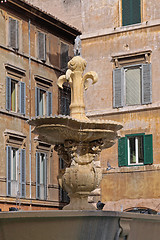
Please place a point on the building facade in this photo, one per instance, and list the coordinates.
(35, 48)
(121, 42)
(125, 53)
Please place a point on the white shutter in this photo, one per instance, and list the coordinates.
(146, 84)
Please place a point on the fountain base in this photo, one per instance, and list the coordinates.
(79, 202)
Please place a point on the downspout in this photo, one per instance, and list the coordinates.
(30, 143)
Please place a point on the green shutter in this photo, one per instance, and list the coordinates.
(148, 149)
(122, 152)
(125, 12)
(131, 12)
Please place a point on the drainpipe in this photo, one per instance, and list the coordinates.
(30, 146)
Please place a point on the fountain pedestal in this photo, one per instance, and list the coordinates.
(83, 176)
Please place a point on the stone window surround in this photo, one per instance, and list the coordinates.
(131, 58)
(15, 138)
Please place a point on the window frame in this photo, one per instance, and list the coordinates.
(39, 185)
(20, 92)
(11, 43)
(124, 69)
(147, 150)
(123, 24)
(64, 56)
(41, 45)
(20, 181)
(119, 85)
(135, 136)
(47, 101)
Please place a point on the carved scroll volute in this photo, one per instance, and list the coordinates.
(90, 75)
(78, 82)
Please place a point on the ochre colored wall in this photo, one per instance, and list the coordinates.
(16, 122)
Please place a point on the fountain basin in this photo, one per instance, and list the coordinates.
(58, 129)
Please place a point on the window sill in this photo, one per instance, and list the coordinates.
(14, 114)
(127, 109)
(27, 201)
(121, 29)
(135, 168)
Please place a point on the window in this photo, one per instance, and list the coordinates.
(41, 175)
(131, 12)
(13, 33)
(14, 181)
(42, 46)
(135, 149)
(64, 58)
(65, 100)
(132, 85)
(15, 95)
(43, 102)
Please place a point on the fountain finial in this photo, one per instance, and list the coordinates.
(78, 83)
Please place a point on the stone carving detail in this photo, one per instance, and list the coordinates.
(78, 83)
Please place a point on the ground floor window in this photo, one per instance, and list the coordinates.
(16, 171)
(135, 149)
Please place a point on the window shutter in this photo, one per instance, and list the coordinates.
(146, 84)
(38, 175)
(131, 12)
(49, 103)
(148, 149)
(8, 93)
(64, 55)
(118, 87)
(126, 12)
(23, 173)
(37, 99)
(13, 33)
(45, 177)
(135, 11)
(122, 152)
(42, 46)
(8, 160)
(22, 98)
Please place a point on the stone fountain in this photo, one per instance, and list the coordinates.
(77, 140)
